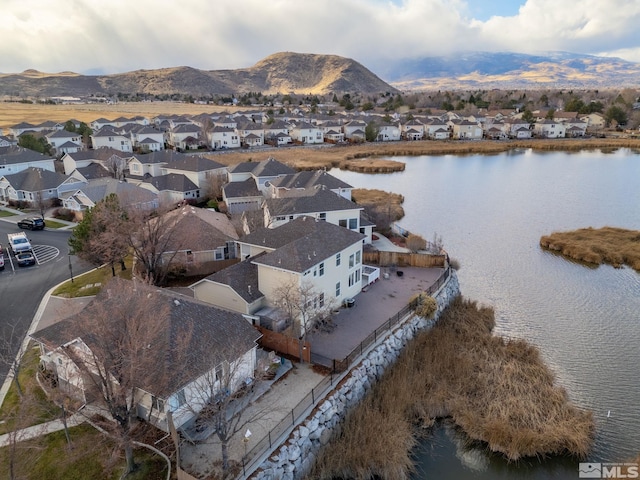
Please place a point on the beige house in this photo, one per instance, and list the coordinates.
(305, 255)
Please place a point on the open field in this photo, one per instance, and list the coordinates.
(615, 246)
(13, 113)
(498, 391)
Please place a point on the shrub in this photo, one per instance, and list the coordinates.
(64, 214)
(426, 306)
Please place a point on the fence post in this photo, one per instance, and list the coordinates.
(293, 418)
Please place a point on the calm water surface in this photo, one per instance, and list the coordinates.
(491, 212)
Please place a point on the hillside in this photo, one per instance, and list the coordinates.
(279, 73)
(483, 70)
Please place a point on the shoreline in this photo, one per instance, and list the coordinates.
(499, 392)
(371, 157)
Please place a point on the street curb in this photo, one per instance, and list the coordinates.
(25, 342)
(27, 338)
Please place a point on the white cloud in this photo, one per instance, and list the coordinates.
(119, 35)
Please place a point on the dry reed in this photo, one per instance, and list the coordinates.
(498, 391)
(611, 245)
(384, 202)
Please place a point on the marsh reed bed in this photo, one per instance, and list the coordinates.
(498, 391)
(611, 245)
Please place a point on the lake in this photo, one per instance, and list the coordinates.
(491, 211)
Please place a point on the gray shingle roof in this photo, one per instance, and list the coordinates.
(175, 182)
(308, 179)
(302, 243)
(242, 278)
(13, 155)
(212, 334)
(247, 188)
(318, 199)
(128, 193)
(35, 179)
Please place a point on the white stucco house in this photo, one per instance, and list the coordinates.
(107, 137)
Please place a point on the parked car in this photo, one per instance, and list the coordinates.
(1, 258)
(31, 223)
(25, 259)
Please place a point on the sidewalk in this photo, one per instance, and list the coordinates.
(18, 214)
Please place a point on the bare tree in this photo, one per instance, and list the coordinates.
(154, 241)
(115, 166)
(304, 305)
(100, 237)
(10, 357)
(123, 339)
(213, 185)
(222, 391)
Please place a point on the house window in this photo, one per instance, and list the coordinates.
(353, 223)
(338, 289)
(352, 259)
(337, 259)
(321, 300)
(111, 139)
(218, 373)
(321, 269)
(323, 216)
(157, 403)
(358, 257)
(181, 397)
(342, 223)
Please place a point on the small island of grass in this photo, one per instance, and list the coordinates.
(611, 245)
(498, 391)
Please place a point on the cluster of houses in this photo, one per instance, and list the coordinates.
(283, 228)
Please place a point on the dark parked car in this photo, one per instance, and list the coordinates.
(31, 223)
(25, 259)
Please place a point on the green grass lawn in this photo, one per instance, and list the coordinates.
(54, 224)
(38, 408)
(91, 455)
(5, 213)
(91, 282)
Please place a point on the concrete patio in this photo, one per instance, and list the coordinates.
(373, 307)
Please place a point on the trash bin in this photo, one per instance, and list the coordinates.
(349, 302)
(399, 273)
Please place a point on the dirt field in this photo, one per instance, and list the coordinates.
(13, 113)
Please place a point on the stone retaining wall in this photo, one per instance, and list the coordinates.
(295, 458)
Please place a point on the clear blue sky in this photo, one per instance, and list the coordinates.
(485, 9)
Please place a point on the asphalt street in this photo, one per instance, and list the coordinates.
(22, 288)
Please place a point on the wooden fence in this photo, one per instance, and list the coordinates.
(401, 259)
(285, 345)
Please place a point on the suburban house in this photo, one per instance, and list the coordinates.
(16, 159)
(436, 130)
(251, 134)
(318, 258)
(113, 161)
(146, 138)
(242, 196)
(205, 173)
(35, 185)
(63, 141)
(172, 188)
(202, 241)
(413, 130)
(355, 130)
(305, 132)
(261, 172)
(202, 352)
(550, 129)
(185, 136)
(518, 129)
(388, 132)
(285, 185)
(277, 133)
(8, 141)
(465, 130)
(332, 131)
(107, 137)
(317, 202)
(220, 137)
(86, 196)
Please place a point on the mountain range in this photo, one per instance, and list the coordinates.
(299, 73)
